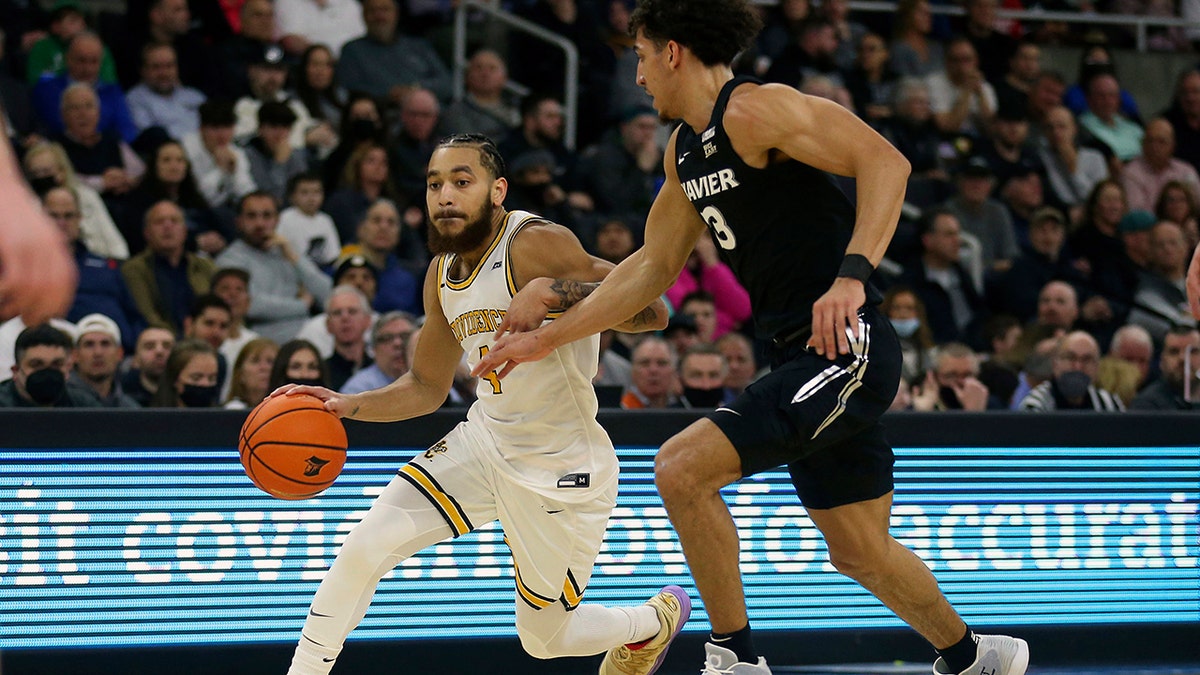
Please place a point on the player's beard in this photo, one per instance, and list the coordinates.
(474, 233)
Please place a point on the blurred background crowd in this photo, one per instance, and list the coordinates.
(242, 182)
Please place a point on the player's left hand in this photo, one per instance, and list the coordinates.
(511, 350)
(834, 313)
(1193, 284)
(528, 308)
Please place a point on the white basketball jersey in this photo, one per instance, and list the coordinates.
(542, 415)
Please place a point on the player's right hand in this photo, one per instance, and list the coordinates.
(336, 403)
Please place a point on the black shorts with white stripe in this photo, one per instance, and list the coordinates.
(821, 418)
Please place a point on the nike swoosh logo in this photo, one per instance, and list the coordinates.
(728, 410)
(684, 156)
(325, 660)
(554, 512)
(323, 616)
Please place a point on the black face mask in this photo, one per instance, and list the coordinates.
(43, 185)
(199, 396)
(703, 398)
(949, 398)
(46, 386)
(1073, 384)
(309, 382)
(363, 129)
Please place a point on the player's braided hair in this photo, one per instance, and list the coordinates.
(714, 30)
(489, 155)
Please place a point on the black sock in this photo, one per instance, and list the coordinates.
(739, 642)
(960, 655)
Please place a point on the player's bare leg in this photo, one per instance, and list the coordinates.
(861, 548)
(690, 470)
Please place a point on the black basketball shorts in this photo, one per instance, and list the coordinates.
(821, 417)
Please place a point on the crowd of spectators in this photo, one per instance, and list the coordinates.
(242, 183)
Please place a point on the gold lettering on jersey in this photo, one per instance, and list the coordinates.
(475, 322)
(708, 185)
(491, 377)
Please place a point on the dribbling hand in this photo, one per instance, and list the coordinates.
(338, 404)
(833, 314)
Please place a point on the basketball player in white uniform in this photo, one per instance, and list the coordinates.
(530, 454)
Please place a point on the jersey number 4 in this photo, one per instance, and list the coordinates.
(720, 229)
(491, 376)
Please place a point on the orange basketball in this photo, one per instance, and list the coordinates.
(292, 447)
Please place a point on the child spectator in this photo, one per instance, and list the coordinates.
(309, 230)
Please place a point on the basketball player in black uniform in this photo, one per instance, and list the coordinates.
(751, 164)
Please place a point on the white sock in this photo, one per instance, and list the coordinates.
(588, 629)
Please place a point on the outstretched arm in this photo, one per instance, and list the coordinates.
(671, 231)
(554, 273)
(421, 390)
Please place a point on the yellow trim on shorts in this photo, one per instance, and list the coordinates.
(449, 508)
(572, 593)
(532, 599)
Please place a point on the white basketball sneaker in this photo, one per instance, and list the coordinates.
(998, 655)
(673, 607)
(721, 661)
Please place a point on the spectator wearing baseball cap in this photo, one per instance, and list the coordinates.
(983, 216)
(1016, 291)
(1134, 229)
(267, 75)
(98, 355)
(257, 35)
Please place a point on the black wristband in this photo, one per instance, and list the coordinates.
(856, 266)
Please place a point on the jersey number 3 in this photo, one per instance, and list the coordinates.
(721, 230)
(491, 376)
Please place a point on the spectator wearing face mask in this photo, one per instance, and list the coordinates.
(190, 378)
(702, 372)
(1076, 364)
(906, 313)
(39, 376)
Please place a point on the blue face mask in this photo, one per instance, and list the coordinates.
(905, 328)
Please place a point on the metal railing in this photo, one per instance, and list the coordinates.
(570, 79)
(1140, 24)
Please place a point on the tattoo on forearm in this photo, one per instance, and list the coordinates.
(353, 412)
(643, 318)
(569, 292)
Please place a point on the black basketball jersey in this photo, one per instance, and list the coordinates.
(783, 229)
